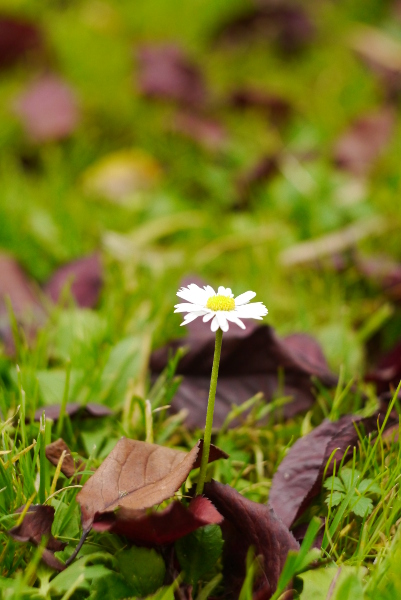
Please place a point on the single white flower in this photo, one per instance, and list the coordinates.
(220, 308)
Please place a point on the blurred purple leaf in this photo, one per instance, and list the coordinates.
(277, 109)
(166, 73)
(206, 132)
(286, 25)
(48, 109)
(364, 142)
(85, 276)
(387, 373)
(73, 409)
(19, 39)
(383, 271)
(24, 298)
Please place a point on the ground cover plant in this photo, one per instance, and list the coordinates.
(145, 147)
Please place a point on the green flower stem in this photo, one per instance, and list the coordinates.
(209, 415)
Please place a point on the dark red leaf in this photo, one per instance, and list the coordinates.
(250, 363)
(19, 39)
(85, 276)
(364, 142)
(286, 25)
(37, 524)
(300, 475)
(207, 132)
(383, 271)
(48, 109)
(277, 109)
(387, 374)
(163, 527)
(135, 476)
(250, 524)
(24, 297)
(166, 73)
(73, 409)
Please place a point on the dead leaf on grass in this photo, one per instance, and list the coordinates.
(19, 40)
(137, 475)
(276, 108)
(72, 409)
(85, 276)
(25, 301)
(162, 527)
(252, 361)
(69, 466)
(286, 25)
(300, 475)
(37, 524)
(364, 142)
(248, 524)
(48, 109)
(387, 373)
(382, 271)
(206, 132)
(166, 73)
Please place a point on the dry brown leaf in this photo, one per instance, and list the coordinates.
(69, 465)
(137, 475)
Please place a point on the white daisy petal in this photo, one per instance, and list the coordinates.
(222, 319)
(215, 324)
(210, 291)
(187, 307)
(244, 298)
(197, 298)
(255, 310)
(234, 319)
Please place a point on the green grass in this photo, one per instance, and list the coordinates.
(187, 222)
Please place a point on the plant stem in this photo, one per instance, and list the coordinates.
(209, 415)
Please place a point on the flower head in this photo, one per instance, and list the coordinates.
(219, 308)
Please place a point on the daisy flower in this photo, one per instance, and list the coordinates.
(218, 308)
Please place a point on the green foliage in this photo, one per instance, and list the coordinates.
(143, 569)
(351, 480)
(199, 552)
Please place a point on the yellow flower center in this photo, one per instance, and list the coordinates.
(220, 303)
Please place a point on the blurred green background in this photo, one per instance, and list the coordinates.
(225, 186)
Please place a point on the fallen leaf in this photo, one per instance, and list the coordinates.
(262, 171)
(37, 524)
(72, 409)
(25, 301)
(251, 361)
(381, 53)
(161, 527)
(387, 373)
(286, 25)
(85, 276)
(364, 142)
(299, 477)
(19, 39)
(166, 73)
(118, 175)
(206, 132)
(383, 271)
(248, 524)
(277, 109)
(48, 109)
(69, 465)
(137, 475)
